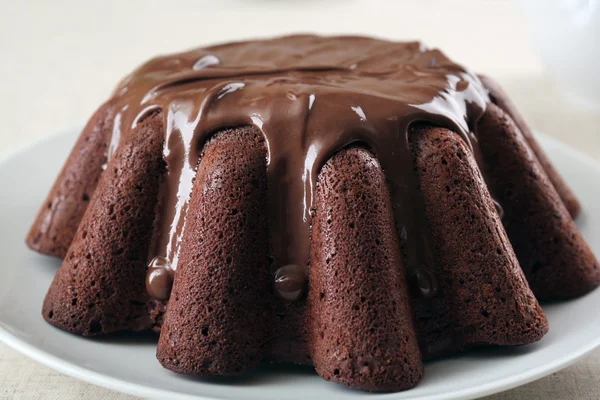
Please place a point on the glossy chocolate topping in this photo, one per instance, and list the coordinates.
(310, 96)
(159, 279)
(290, 281)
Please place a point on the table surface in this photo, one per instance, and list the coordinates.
(60, 60)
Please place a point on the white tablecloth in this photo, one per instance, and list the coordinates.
(58, 61)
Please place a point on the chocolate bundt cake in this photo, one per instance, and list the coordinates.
(351, 203)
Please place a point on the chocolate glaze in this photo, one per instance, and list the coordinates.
(290, 281)
(310, 96)
(499, 209)
(159, 279)
(159, 282)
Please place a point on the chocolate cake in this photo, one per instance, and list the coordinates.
(351, 203)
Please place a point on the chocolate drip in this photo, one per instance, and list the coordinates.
(290, 281)
(310, 96)
(159, 279)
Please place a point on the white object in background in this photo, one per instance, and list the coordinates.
(567, 33)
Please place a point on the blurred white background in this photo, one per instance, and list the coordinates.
(567, 33)
(60, 59)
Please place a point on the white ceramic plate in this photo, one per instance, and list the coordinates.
(126, 363)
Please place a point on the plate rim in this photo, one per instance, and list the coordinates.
(123, 386)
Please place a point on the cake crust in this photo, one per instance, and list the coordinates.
(556, 259)
(483, 295)
(499, 97)
(100, 288)
(58, 219)
(361, 323)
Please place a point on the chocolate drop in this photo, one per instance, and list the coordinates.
(427, 282)
(290, 281)
(499, 209)
(159, 278)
